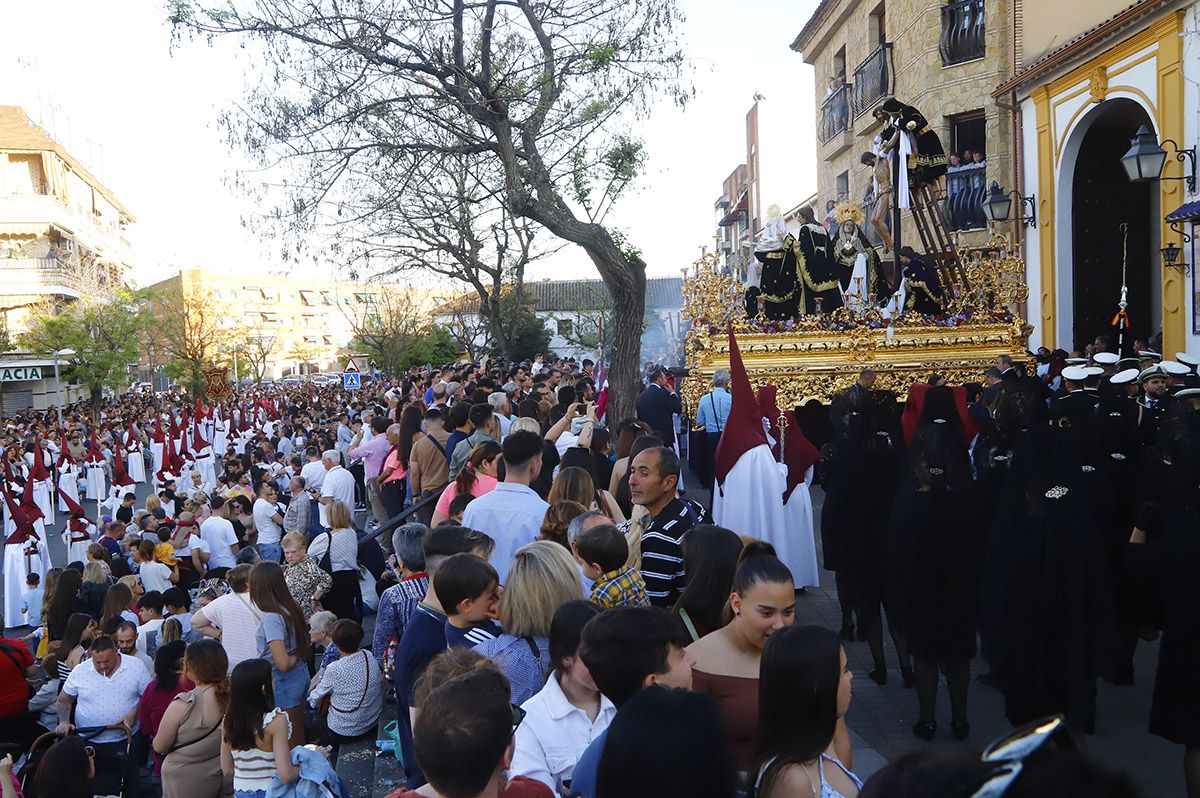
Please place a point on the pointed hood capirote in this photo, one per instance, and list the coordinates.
(799, 453)
(38, 472)
(743, 430)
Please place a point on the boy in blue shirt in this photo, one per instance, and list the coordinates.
(31, 600)
(468, 589)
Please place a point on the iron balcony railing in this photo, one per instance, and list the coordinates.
(874, 80)
(835, 114)
(965, 192)
(962, 32)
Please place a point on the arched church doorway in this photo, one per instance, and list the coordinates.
(1103, 199)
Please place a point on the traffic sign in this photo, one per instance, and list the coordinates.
(351, 380)
(351, 367)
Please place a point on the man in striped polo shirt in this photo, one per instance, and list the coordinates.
(653, 478)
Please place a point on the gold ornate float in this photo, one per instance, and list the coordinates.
(816, 356)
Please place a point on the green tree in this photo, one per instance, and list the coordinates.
(527, 332)
(548, 94)
(104, 334)
(396, 332)
(437, 345)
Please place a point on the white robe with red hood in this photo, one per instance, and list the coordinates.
(748, 495)
(21, 557)
(79, 533)
(43, 481)
(135, 461)
(794, 542)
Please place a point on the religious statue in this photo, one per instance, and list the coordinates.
(860, 277)
(779, 287)
(818, 272)
(908, 133)
(769, 249)
(921, 288)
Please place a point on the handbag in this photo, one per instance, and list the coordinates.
(391, 734)
(326, 561)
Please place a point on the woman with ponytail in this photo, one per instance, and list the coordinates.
(189, 737)
(477, 477)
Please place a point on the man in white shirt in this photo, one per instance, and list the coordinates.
(501, 409)
(269, 522)
(104, 691)
(338, 484)
(511, 513)
(126, 638)
(314, 477)
(232, 618)
(217, 533)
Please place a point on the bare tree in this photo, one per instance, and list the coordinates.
(453, 227)
(195, 327)
(547, 93)
(257, 352)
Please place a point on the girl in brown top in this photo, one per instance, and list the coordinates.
(727, 660)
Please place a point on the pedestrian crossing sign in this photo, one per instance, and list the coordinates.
(351, 380)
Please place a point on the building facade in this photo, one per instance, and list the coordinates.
(1089, 75)
(289, 325)
(944, 58)
(575, 312)
(62, 232)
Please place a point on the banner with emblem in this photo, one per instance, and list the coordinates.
(216, 384)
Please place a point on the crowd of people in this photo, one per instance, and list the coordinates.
(526, 586)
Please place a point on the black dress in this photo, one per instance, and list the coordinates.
(780, 285)
(1049, 616)
(862, 472)
(817, 270)
(1172, 554)
(933, 564)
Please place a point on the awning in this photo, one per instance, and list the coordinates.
(24, 229)
(737, 212)
(1187, 212)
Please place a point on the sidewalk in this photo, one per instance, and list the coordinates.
(883, 716)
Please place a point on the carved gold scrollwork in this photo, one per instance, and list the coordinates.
(814, 357)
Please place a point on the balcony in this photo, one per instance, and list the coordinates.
(34, 207)
(39, 277)
(874, 80)
(962, 32)
(835, 114)
(965, 191)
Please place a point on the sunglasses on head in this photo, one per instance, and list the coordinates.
(1009, 753)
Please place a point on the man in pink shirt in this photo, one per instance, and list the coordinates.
(373, 453)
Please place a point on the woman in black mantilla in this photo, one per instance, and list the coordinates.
(934, 560)
(1047, 594)
(1165, 550)
(861, 473)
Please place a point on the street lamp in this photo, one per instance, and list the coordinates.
(1170, 253)
(1145, 159)
(57, 383)
(998, 204)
